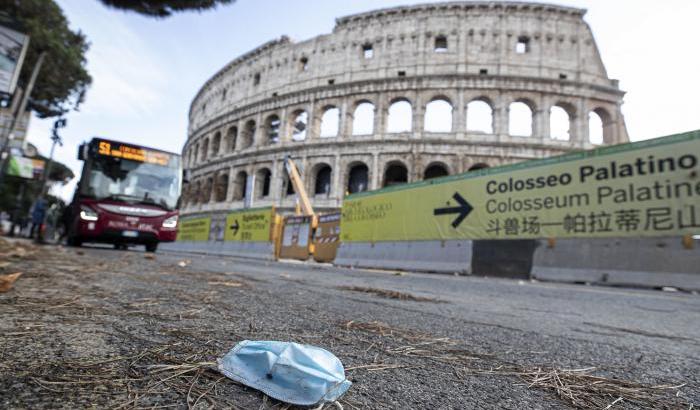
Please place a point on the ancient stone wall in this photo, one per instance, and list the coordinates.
(354, 108)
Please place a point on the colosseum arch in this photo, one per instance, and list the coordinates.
(299, 125)
(357, 177)
(191, 155)
(480, 116)
(208, 189)
(561, 121)
(248, 134)
(521, 118)
(399, 116)
(438, 115)
(600, 126)
(475, 72)
(436, 170)
(204, 151)
(221, 187)
(194, 193)
(395, 173)
(321, 176)
(215, 144)
(287, 186)
(201, 192)
(231, 136)
(185, 194)
(272, 129)
(263, 182)
(363, 118)
(330, 122)
(240, 186)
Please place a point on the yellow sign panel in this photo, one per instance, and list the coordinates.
(649, 188)
(196, 229)
(249, 225)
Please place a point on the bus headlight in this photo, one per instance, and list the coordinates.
(170, 222)
(87, 213)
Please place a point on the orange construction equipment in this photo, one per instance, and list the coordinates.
(296, 238)
(327, 237)
(295, 178)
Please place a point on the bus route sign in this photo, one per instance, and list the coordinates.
(648, 188)
(138, 154)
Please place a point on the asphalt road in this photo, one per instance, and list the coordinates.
(466, 342)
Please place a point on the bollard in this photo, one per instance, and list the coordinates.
(688, 242)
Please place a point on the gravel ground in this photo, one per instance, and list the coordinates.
(122, 329)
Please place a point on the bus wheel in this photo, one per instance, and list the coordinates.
(151, 247)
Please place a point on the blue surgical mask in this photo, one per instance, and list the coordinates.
(290, 372)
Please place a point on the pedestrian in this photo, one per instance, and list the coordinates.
(5, 221)
(16, 219)
(52, 221)
(38, 213)
(66, 222)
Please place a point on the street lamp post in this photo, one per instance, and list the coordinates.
(56, 139)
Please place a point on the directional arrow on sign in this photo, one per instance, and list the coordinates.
(235, 227)
(462, 210)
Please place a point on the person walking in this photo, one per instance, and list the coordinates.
(38, 213)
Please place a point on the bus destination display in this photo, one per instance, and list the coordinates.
(110, 149)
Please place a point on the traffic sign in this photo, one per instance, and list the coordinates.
(649, 188)
(194, 229)
(249, 225)
(462, 210)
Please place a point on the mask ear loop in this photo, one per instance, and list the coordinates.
(336, 403)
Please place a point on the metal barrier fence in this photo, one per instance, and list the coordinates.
(327, 237)
(296, 238)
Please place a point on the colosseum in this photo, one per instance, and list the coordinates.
(398, 95)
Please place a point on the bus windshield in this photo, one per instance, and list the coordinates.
(133, 181)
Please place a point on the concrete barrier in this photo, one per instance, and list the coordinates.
(183, 246)
(253, 250)
(642, 262)
(503, 258)
(422, 256)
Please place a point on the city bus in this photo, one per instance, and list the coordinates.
(127, 195)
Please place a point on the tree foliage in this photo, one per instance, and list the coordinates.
(63, 79)
(59, 172)
(164, 8)
(12, 186)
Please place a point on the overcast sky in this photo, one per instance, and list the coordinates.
(146, 71)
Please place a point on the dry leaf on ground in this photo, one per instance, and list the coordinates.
(6, 281)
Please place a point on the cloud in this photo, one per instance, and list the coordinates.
(128, 78)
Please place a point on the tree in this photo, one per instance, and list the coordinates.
(164, 8)
(63, 79)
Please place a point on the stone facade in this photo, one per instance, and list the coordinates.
(274, 100)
